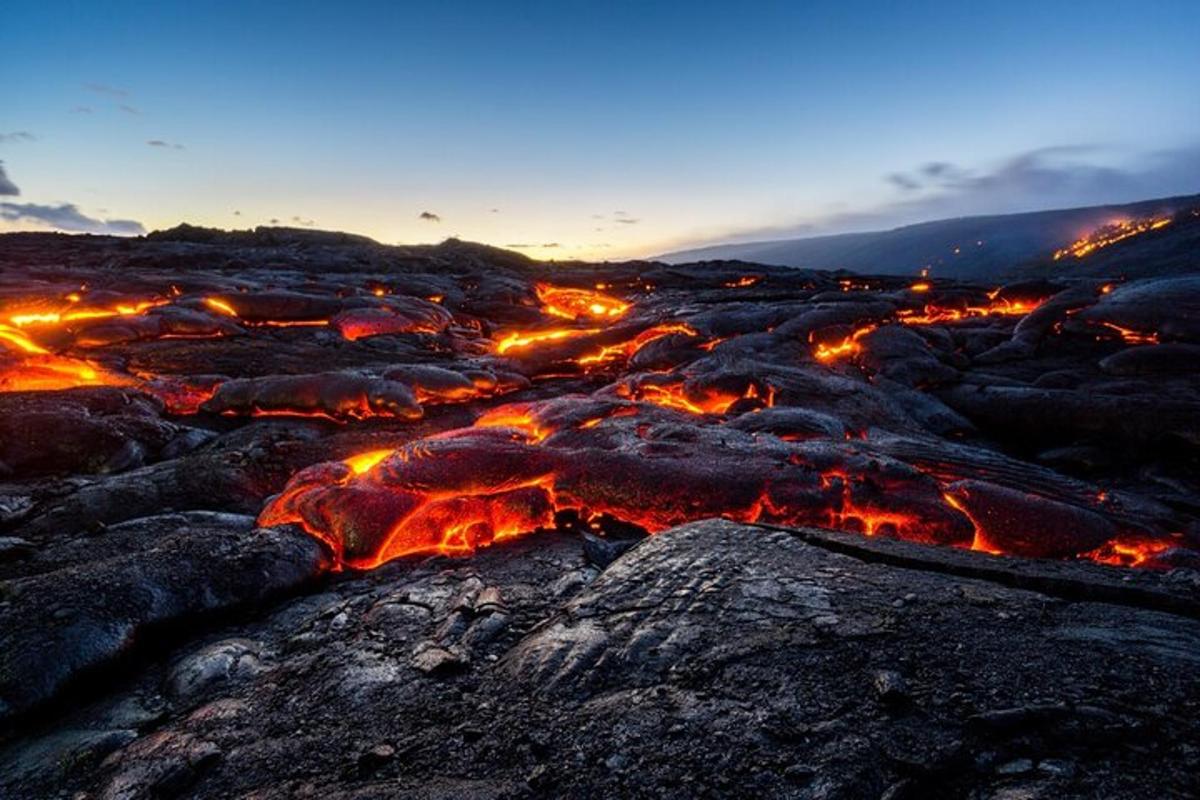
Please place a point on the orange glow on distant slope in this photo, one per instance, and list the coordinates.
(1110, 234)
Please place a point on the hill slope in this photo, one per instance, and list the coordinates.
(966, 247)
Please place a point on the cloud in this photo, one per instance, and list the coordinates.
(105, 89)
(7, 187)
(429, 216)
(526, 246)
(18, 136)
(274, 220)
(902, 181)
(301, 221)
(67, 217)
(161, 143)
(81, 110)
(1045, 178)
(128, 109)
(1062, 176)
(627, 221)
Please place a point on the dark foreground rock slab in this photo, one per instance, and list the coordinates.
(57, 626)
(713, 660)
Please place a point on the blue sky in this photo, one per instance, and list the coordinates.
(604, 129)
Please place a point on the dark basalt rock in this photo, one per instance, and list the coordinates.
(80, 430)
(101, 607)
(1170, 359)
(336, 394)
(1169, 307)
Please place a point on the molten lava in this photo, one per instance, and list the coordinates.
(519, 340)
(576, 304)
(676, 395)
(1129, 552)
(848, 347)
(33, 368)
(1110, 234)
(1130, 336)
(934, 314)
(626, 350)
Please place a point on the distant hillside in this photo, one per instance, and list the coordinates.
(1172, 250)
(967, 247)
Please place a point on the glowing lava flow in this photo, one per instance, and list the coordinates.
(1128, 552)
(934, 314)
(1131, 336)
(850, 346)
(36, 369)
(1110, 234)
(521, 339)
(579, 303)
(626, 350)
(517, 416)
(709, 401)
(22, 319)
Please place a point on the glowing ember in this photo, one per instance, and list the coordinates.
(579, 303)
(1110, 234)
(742, 282)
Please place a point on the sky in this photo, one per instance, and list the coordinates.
(598, 130)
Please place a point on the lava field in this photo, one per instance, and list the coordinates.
(294, 514)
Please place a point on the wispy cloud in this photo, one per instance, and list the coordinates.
(161, 143)
(18, 136)
(902, 181)
(67, 217)
(1049, 177)
(429, 216)
(308, 223)
(7, 187)
(81, 110)
(105, 89)
(128, 109)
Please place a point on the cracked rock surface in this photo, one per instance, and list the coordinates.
(714, 659)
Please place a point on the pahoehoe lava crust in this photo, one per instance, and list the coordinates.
(352, 520)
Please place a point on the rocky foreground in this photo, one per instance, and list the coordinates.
(290, 514)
